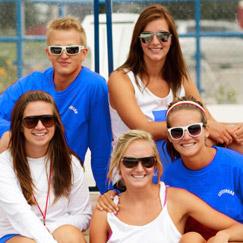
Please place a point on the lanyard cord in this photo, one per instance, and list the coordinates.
(47, 197)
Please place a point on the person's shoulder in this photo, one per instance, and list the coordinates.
(227, 155)
(91, 75)
(6, 158)
(36, 77)
(118, 74)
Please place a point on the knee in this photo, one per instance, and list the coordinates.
(192, 237)
(69, 234)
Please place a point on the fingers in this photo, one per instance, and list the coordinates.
(105, 202)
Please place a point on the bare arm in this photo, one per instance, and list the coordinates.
(122, 99)
(4, 141)
(193, 206)
(218, 132)
(99, 227)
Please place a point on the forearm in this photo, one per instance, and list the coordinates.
(235, 232)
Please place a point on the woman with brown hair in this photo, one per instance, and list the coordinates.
(43, 193)
(152, 76)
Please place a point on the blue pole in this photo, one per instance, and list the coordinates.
(198, 44)
(61, 9)
(96, 36)
(109, 35)
(19, 35)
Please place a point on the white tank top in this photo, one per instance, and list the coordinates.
(159, 230)
(153, 107)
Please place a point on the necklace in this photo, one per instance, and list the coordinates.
(43, 213)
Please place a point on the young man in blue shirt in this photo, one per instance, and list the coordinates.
(80, 95)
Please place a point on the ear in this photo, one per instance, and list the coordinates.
(206, 132)
(85, 52)
(169, 138)
(47, 53)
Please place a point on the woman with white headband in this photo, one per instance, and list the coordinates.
(151, 211)
(214, 174)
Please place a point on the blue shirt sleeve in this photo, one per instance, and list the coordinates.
(100, 135)
(7, 101)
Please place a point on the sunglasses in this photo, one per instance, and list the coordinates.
(69, 50)
(194, 130)
(131, 162)
(147, 37)
(32, 121)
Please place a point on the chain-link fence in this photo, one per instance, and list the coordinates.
(217, 63)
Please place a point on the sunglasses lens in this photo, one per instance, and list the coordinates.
(147, 162)
(195, 129)
(130, 162)
(32, 121)
(72, 50)
(55, 50)
(176, 132)
(146, 37)
(163, 36)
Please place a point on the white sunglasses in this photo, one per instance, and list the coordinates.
(69, 50)
(194, 130)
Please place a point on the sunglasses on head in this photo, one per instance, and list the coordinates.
(146, 37)
(194, 130)
(69, 50)
(32, 121)
(131, 162)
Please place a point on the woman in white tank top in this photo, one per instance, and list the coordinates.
(152, 76)
(153, 213)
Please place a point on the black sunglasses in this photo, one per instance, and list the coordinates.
(32, 121)
(70, 50)
(146, 36)
(194, 130)
(131, 162)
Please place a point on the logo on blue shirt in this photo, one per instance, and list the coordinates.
(226, 191)
(72, 108)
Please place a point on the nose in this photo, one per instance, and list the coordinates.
(186, 134)
(155, 39)
(64, 54)
(139, 167)
(39, 125)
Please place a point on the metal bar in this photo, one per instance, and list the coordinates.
(19, 36)
(198, 44)
(109, 35)
(96, 36)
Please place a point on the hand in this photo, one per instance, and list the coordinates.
(105, 202)
(237, 131)
(220, 237)
(220, 133)
(4, 141)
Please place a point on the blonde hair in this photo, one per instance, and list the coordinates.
(124, 141)
(66, 23)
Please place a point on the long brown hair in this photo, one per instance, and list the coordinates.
(58, 152)
(174, 70)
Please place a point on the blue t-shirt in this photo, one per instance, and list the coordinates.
(220, 184)
(84, 110)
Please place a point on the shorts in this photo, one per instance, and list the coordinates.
(7, 237)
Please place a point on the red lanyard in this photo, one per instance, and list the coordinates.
(47, 197)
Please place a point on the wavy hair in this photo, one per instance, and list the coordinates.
(174, 70)
(58, 151)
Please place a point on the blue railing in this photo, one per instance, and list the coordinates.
(20, 37)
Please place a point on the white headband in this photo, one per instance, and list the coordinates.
(185, 102)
